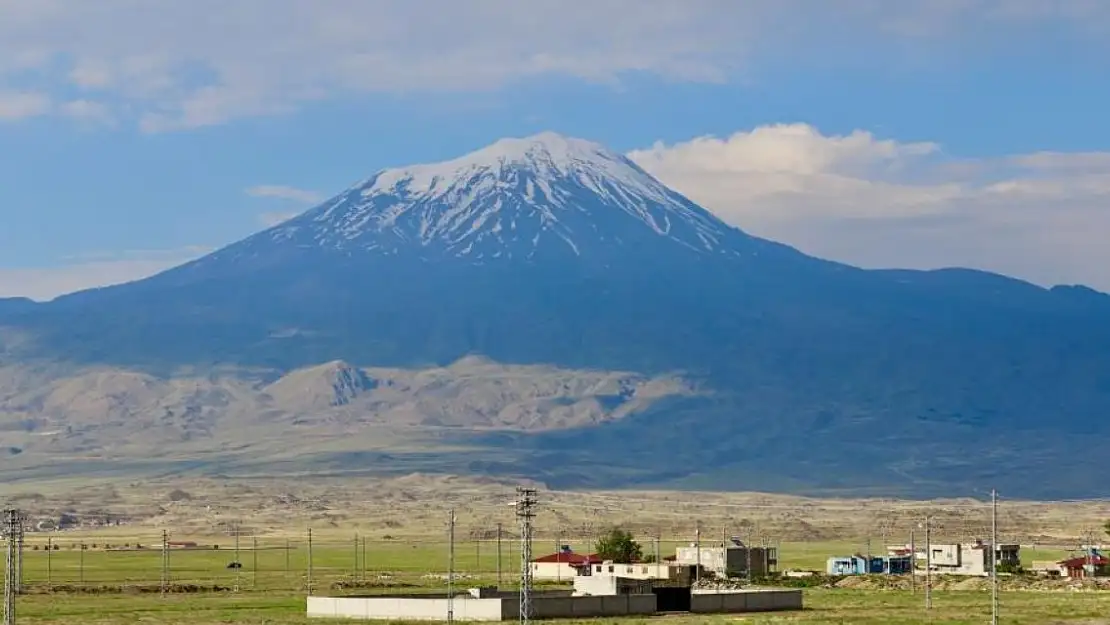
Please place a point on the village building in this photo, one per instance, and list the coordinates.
(972, 559)
(1091, 564)
(733, 560)
(869, 565)
(562, 565)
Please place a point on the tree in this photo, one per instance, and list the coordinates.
(1107, 528)
(617, 545)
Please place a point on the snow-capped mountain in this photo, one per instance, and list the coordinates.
(556, 251)
(544, 196)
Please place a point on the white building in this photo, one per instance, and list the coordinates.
(970, 558)
(641, 570)
(561, 566)
(730, 561)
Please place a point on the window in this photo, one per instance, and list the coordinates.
(610, 568)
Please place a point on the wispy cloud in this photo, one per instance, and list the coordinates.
(204, 62)
(289, 194)
(91, 270)
(16, 105)
(88, 111)
(285, 193)
(273, 219)
(883, 203)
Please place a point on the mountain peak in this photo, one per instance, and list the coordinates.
(542, 196)
(545, 149)
(545, 157)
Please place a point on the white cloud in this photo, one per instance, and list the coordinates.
(273, 219)
(19, 105)
(881, 203)
(285, 193)
(91, 270)
(280, 192)
(88, 111)
(180, 64)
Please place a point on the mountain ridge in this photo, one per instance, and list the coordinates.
(786, 346)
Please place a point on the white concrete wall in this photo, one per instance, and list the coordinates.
(553, 571)
(736, 601)
(506, 608)
(585, 607)
(404, 608)
(633, 571)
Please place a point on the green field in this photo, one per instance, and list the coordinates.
(102, 586)
(280, 564)
(824, 607)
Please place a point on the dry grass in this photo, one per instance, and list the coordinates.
(415, 506)
(401, 529)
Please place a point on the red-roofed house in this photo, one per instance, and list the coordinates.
(1094, 565)
(562, 565)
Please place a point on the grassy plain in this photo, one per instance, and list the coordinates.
(385, 535)
(283, 564)
(116, 587)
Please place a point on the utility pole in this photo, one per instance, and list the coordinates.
(12, 521)
(655, 550)
(254, 561)
(356, 569)
(451, 568)
(697, 550)
(747, 553)
(994, 557)
(19, 527)
(913, 564)
(928, 564)
(525, 512)
(498, 556)
(310, 561)
(165, 560)
(766, 556)
(1090, 554)
(238, 561)
(49, 564)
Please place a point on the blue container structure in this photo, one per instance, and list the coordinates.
(875, 565)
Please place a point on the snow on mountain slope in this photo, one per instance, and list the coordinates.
(517, 198)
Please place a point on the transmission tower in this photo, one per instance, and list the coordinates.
(525, 512)
(11, 532)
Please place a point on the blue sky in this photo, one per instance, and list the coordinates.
(916, 134)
